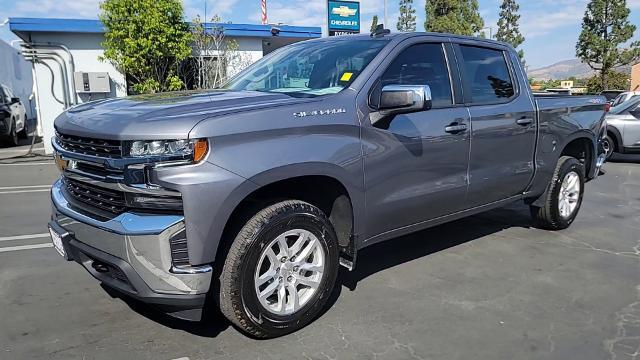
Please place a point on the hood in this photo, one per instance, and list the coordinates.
(161, 116)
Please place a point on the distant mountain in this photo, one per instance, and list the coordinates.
(566, 69)
(562, 70)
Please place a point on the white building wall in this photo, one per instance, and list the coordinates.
(15, 73)
(85, 50)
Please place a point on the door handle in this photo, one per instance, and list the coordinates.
(524, 121)
(455, 128)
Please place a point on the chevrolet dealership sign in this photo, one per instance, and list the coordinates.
(344, 17)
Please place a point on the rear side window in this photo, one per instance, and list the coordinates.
(422, 64)
(487, 74)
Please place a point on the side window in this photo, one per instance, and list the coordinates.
(422, 64)
(486, 74)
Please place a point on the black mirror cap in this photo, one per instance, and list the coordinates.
(635, 112)
(15, 100)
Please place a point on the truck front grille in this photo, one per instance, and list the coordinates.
(105, 199)
(88, 146)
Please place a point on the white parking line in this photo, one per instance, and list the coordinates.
(11, 151)
(25, 247)
(24, 237)
(23, 187)
(28, 164)
(23, 191)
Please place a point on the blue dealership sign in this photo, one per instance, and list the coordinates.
(344, 17)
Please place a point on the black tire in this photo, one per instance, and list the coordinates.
(548, 216)
(610, 146)
(12, 137)
(24, 133)
(237, 296)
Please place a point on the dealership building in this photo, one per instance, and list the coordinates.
(67, 69)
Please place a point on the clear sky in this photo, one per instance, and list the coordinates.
(551, 27)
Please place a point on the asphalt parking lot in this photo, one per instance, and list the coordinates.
(486, 287)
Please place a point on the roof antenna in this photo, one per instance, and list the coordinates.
(380, 31)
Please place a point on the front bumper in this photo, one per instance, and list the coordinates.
(131, 254)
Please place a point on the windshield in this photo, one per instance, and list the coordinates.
(625, 106)
(309, 69)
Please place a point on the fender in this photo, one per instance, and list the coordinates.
(617, 137)
(291, 171)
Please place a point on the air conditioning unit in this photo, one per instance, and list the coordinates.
(92, 82)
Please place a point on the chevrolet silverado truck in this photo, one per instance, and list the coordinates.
(253, 195)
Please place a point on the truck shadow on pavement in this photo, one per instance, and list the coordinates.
(371, 260)
(382, 256)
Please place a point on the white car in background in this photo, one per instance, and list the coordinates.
(623, 128)
(625, 96)
(13, 118)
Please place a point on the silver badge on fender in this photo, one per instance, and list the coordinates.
(319, 112)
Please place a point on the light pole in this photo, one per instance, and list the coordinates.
(490, 31)
(386, 24)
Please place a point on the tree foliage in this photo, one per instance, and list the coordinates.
(374, 23)
(605, 31)
(453, 16)
(508, 29)
(407, 17)
(145, 40)
(615, 80)
(216, 56)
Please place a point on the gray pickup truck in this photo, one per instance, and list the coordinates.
(254, 195)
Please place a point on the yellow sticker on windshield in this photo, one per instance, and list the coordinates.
(346, 76)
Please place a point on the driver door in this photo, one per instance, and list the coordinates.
(415, 165)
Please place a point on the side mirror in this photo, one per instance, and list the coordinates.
(15, 100)
(635, 112)
(397, 99)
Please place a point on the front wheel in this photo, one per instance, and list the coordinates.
(12, 137)
(564, 196)
(280, 270)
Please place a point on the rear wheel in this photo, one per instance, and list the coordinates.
(564, 196)
(609, 145)
(280, 270)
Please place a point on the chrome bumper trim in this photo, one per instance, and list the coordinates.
(128, 223)
(191, 269)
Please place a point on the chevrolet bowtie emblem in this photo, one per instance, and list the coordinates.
(343, 11)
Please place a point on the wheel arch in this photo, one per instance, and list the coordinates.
(583, 147)
(617, 137)
(580, 145)
(326, 186)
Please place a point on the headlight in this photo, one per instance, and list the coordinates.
(195, 149)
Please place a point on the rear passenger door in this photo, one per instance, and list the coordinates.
(415, 169)
(503, 124)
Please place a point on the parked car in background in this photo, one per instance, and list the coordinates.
(610, 95)
(13, 117)
(623, 128)
(255, 194)
(627, 95)
(560, 91)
